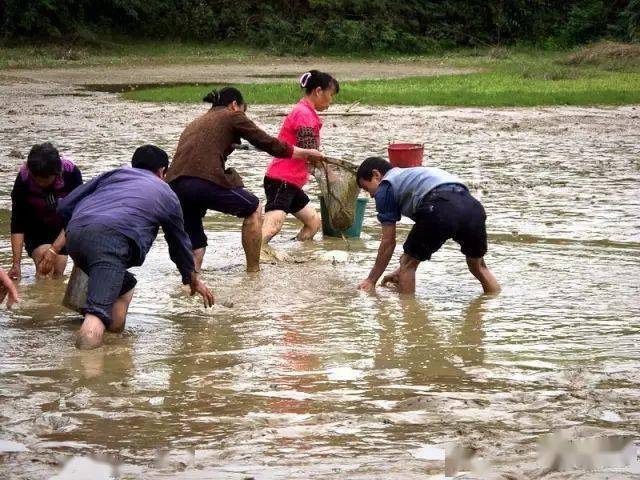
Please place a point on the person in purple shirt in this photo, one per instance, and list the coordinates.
(110, 225)
(442, 209)
(43, 180)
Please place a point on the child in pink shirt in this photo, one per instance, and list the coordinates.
(285, 177)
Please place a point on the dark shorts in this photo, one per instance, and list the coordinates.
(198, 195)
(104, 255)
(283, 196)
(444, 213)
(46, 237)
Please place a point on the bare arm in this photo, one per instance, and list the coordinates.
(17, 243)
(60, 241)
(19, 214)
(385, 252)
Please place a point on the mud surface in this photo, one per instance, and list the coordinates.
(305, 377)
(271, 70)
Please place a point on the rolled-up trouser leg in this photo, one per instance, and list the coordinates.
(104, 255)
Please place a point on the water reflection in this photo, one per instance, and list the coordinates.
(412, 342)
(467, 342)
(305, 376)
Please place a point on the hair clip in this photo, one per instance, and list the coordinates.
(304, 79)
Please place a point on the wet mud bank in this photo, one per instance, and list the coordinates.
(305, 377)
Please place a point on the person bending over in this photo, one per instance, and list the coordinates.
(111, 223)
(441, 207)
(43, 180)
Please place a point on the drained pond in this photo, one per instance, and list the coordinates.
(297, 374)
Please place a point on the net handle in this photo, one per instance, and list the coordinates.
(344, 164)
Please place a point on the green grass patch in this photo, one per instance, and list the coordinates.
(486, 89)
(506, 77)
(600, 74)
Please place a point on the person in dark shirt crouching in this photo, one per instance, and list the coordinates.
(441, 207)
(43, 180)
(111, 223)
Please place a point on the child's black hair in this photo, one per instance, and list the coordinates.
(366, 168)
(313, 79)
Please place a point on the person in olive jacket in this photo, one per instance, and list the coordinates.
(199, 177)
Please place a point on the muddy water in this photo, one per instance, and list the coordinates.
(305, 377)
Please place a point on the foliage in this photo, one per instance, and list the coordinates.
(342, 25)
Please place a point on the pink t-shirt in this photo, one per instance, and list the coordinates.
(294, 170)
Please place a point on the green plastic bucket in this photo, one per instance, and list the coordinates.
(353, 231)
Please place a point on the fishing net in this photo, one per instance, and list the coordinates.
(340, 192)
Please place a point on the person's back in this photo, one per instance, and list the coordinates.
(111, 223)
(129, 200)
(410, 185)
(204, 146)
(207, 141)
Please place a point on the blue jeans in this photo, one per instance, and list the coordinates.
(104, 255)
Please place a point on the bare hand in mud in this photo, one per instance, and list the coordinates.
(7, 287)
(198, 286)
(15, 272)
(366, 285)
(45, 266)
(392, 278)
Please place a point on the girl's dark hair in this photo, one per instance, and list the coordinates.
(222, 98)
(366, 168)
(44, 160)
(313, 79)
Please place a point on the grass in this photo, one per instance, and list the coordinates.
(126, 53)
(605, 73)
(506, 78)
(473, 90)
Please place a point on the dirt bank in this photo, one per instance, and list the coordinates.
(274, 69)
(307, 378)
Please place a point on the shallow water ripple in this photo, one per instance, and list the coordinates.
(306, 377)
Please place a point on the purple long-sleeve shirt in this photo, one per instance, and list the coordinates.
(135, 203)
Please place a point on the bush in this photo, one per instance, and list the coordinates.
(298, 26)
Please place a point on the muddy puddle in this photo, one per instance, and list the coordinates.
(304, 376)
(127, 87)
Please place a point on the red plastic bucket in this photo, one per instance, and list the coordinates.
(405, 154)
